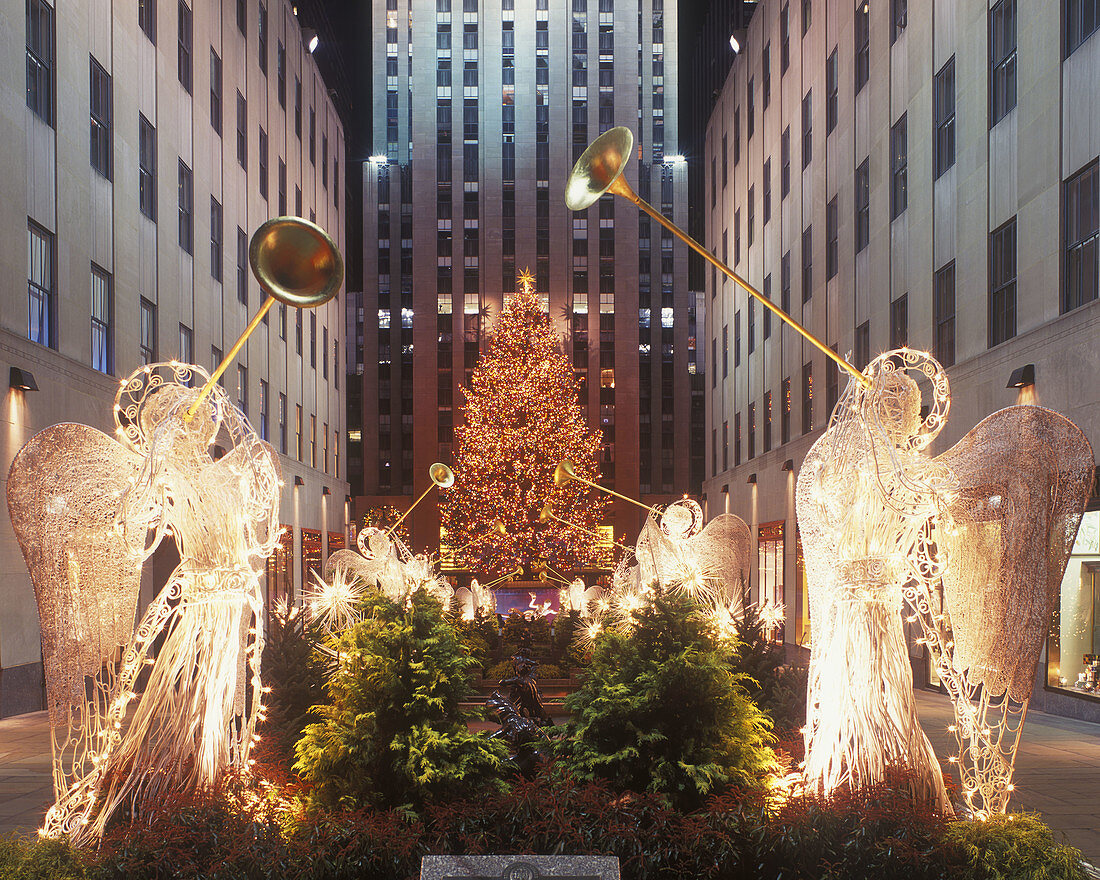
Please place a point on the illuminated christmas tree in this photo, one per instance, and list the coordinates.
(522, 418)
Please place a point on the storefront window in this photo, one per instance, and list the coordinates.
(280, 570)
(802, 597)
(770, 558)
(1073, 649)
(311, 554)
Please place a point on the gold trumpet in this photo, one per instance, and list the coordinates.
(547, 514)
(442, 476)
(497, 526)
(296, 263)
(504, 577)
(565, 471)
(599, 170)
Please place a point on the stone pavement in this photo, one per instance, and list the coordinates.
(1057, 770)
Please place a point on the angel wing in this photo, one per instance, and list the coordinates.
(1024, 475)
(723, 550)
(64, 489)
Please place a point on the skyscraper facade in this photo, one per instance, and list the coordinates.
(480, 110)
(145, 144)
(905, 174)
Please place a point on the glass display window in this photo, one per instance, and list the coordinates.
(1073, 648)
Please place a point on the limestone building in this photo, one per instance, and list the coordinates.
(905, 173)
(142, 146)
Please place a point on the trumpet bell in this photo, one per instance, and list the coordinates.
(598, 168)
(500, 528)
(296, 261)
(564, 472)
(441, 475)
(547, 513)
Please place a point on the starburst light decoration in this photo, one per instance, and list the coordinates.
(88, 511)
(974, 542)
(334, 603)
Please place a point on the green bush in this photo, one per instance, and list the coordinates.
(294, 672)
(1013, 847)
(32, 858)
(664, 710)
(392, 733)
(480, 636)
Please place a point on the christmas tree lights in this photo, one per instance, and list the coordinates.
(522, 417)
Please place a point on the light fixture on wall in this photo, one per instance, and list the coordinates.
(1022, 377)
(325, 490)
(751, 480)
(22, 380)
(788, 465)
(309, 35)
(737, 41)
(298, 481)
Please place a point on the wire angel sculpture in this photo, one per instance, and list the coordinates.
(676, 551)
(88, 511)
(974, 541)
(473, 599)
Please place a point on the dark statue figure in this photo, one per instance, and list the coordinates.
(523, 736)
(524, 693)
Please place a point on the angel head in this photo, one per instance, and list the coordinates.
(895, 406)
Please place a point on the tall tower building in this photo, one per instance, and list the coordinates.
(145, 142)
(480, 109)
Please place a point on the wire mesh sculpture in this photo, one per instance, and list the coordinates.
(974, 541)
(88, 511)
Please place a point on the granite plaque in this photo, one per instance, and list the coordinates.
(519, 868)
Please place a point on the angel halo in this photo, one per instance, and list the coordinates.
(974, 542)
(88, 511)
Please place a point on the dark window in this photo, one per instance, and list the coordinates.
(298, 108)
(785, 283)
(1082, 20)
(767, 420)
(312, 136)
(807, 398)
(831, 236)
(313, 339)
(215, 239)
(183, 55)
(736, 442)
(102, 359)
(324, 350)
(147, 342)
(737, 338)
(100, 119)
(186, 209)
(242, 267)
(752, 431)
(1082, 225)
(750, 112)
(767, 321)
(863, 205)
(832, 90)
(736, 135)
(147, 168)
(767, 190)
(282, 423)
(324, 161)
(807, 264)
(725, 350)
(737, 236)
(725, 162)
(899, 322)
(784, 39)
(187, 349)
(785, 166)
(1002, 60)
(752, 215)
(714, 363)
(807, 129)
(750, 325)
(242, 131)
(263, 410)
(899, 164)
(261, 38)
(147, 19)
(863, 345)
(263, 164)
(40, 44)
(863, 45)
(280, 73)
(943, 110)
(282, 188)
(899, 17)
(40, 286)
(1002, 283)
(943, 313)
(832, 386)
(215, 91)
(806, 15)
(766, 75)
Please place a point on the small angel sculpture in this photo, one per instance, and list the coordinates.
(88, 511)
(974, 542)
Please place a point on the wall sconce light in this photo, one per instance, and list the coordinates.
(751, 480)
(726, 489)
(311, 39)
(325, 490)
(23, 380)
(1022, 377)
(298, 481)
(788, 465)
